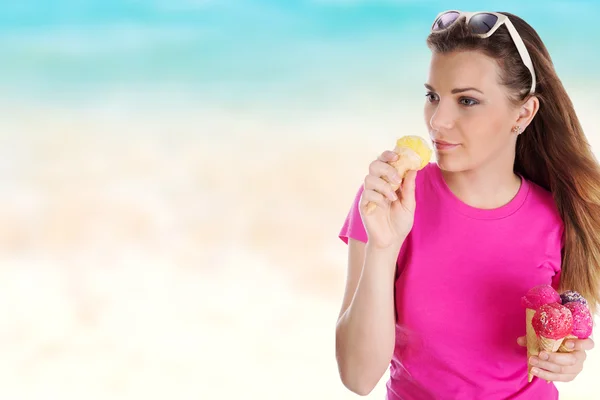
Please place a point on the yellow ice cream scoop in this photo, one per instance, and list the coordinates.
(413, 154)
(416, 144)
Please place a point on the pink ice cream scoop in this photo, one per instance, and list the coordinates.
(582, 320)
(553, 321)
(539, 295)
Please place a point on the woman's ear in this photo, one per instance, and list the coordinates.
(527, 111)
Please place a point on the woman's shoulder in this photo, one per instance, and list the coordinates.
(542, 202)
(542, 196)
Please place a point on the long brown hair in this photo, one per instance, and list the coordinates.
(553, 151)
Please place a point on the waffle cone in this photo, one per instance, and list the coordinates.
(550, 345)
(533, 343)
(563, 348)
(413, 154)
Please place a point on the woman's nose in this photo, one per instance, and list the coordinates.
(443, 118)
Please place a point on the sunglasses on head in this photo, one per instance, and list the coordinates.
(484, 24)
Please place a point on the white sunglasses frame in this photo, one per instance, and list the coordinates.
(502, 19)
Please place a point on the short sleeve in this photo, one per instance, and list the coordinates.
(353, 225)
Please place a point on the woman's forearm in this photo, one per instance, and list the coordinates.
(365, 333)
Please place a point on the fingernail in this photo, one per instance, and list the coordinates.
(535, 371)
(533, 361)
(570, 345)
(544, 356)
(396, 179)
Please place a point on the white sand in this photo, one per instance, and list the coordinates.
(171, 255)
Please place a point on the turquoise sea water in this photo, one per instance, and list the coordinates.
(263, 49)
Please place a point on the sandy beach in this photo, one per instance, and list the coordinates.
(189, 254)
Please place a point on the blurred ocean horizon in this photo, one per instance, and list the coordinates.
(250, 53)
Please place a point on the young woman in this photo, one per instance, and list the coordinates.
(437, 271)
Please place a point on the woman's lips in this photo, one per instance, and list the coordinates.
(441, 145)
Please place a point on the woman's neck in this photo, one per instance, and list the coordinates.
(484, 188)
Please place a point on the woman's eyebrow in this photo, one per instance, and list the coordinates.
(454, 91)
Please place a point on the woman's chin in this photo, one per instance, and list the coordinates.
(449, 163)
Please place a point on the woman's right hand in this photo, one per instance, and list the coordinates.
(392, 219)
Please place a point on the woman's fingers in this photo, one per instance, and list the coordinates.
(372, 197)
(563, 367)
(388, 156)
(408, 190)
(376, 184)
(582, 344)
(559, 367)
(560, 363)
(381, 169)
(382, 181)
(551, 376)
(566, 359)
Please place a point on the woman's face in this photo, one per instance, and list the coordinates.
(468, 113)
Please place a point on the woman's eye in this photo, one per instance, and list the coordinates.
(431, 97)
(468, 102)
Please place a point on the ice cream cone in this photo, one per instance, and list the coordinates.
(563, 348)
(550, 345)
(533, 345)
(413, 154)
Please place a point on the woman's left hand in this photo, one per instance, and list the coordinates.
(560, 367)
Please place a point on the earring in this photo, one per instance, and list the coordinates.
(517, 130)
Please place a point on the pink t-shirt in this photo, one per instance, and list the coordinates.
(461, 274)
